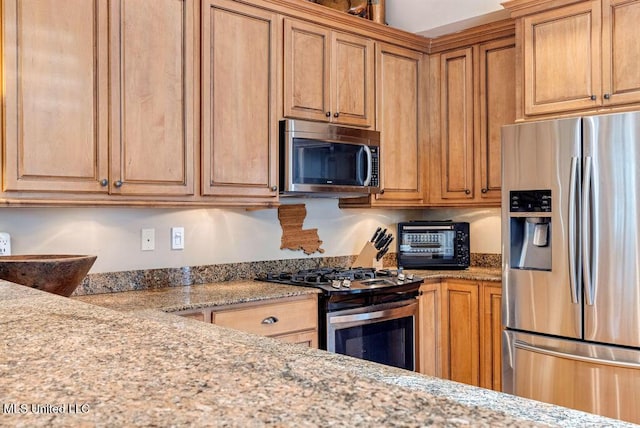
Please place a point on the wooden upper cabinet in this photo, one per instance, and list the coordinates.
(474, 95)
(561, 53)
(328, 75)
(620, 52)
(99, 78)
(352, 75)
(306, 71)
(400, 97)
(239, 120)
(497, 100)
(456, 124)
(55, 132)
(578, 57)
(153, 96)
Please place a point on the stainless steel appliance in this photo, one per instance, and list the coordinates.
(433, 245)
(571, 263)
(320, 159)
(362, 312)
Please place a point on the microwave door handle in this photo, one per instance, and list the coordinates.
(367, 180)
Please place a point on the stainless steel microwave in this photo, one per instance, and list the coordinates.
(321, 159)
(433, 245)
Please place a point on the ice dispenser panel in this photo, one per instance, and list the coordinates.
(530, 235)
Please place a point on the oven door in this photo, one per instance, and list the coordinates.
(381, 333)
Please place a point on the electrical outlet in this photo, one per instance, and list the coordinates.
(5, 244)
(177, 238)
(148, 239)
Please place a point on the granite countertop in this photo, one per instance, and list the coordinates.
(65, 362)
(173, 299)
(473, 274)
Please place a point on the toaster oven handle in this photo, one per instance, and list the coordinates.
(367, 180)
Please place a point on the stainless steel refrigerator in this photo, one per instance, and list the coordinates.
(571, 262)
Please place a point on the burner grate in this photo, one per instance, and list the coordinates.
(322, 276)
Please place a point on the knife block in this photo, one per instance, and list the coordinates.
(367, 257)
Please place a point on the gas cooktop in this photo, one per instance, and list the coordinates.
(343, 280)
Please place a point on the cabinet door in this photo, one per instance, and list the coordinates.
(352, 80)
(305, 338)
(429, 345)
(153, 96)
(462, 332)
(400, 120)
(456, 126)
(620, 51)
(491, 337)
(55, 132)
(497, 108)
(306, 71)
(239, 122)
(562, 59)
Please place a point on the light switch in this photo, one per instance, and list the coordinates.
(177, 238)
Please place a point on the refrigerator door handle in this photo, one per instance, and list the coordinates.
(587, 230)
(576, 357)
(573, 229)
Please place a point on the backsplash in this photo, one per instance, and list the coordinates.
(112, 282)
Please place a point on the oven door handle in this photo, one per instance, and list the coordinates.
(396, 312)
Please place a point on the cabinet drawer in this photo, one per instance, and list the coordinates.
(271, 319)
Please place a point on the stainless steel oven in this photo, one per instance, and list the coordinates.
(381, 333)
(362, 312)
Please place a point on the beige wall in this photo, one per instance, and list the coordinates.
(420, 15)
(212, 235)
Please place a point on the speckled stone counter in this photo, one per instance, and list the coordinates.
(472, 274)
(68, 363)
(173, 299)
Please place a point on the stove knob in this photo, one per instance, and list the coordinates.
(335, 283)
(401, 276)
(346, 283)
(410, 276)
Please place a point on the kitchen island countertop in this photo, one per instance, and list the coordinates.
(68, 363)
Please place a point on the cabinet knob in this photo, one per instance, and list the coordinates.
(270, 320)
(467, 192)
(381, 191)
(485, 190)
(607, 96)
(104, 182)
(336, 114)
(274, 188)
(328, 114)
(118, 184)
(593, 97)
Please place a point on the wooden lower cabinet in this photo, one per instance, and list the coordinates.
(459, 332)
(291, 319)
(461, 335)
(428, 332)
(491, 336)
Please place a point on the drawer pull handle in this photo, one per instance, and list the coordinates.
(270, 320)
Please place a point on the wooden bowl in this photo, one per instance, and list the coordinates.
(55, 273)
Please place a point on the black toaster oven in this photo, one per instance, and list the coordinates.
(433, 245)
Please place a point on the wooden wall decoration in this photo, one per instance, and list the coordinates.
(293, 236)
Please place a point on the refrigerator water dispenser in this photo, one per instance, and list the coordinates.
(530, 235)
